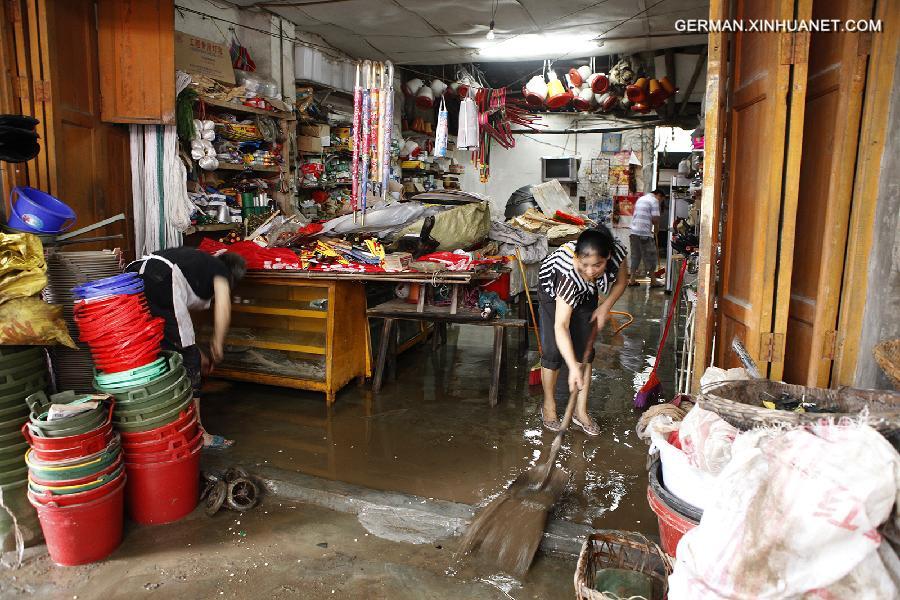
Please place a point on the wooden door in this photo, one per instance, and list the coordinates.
(835, 83)
(92, 170)
(763, 160)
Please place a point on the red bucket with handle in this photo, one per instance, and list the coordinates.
(166, 491)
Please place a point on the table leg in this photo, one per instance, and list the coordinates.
(494, 393)
(383, 346)
(392, 354)
(420, 305)
(454, 298)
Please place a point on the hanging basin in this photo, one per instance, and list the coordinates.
(83, 533)
(38, 211)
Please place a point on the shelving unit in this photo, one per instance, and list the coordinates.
(310, 348)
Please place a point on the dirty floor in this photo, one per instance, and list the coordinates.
(431, 432)
(278, 550)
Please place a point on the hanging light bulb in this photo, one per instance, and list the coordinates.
(490, 33)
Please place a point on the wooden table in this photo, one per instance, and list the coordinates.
(440, 316)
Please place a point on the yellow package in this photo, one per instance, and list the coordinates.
(23, 271)
(32, 322)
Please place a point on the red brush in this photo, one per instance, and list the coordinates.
(650, 391)
(570, 219)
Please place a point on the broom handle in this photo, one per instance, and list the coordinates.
(567, 418)
(662, 341)
(537, 333)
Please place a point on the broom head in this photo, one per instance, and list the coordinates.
(649, 392)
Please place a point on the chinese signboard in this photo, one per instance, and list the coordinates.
(203, 57)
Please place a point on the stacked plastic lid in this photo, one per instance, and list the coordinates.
(23, 371)
(76, 475)
(161, 438)
(115, 322)
(73, 369)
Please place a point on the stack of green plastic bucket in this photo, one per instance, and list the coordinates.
(23, 371)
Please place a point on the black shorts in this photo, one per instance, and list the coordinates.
(579, 329)
(192, 363)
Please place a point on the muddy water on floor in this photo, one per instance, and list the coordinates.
(432, 433)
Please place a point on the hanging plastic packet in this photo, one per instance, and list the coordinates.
(440, 133)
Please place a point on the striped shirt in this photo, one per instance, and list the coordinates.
(559, 277)
(645, 209)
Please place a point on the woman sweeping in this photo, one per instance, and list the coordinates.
(570, 283)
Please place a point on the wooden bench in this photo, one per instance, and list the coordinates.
(440, 317)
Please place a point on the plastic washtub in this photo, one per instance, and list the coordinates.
(136, 392)
(176, 390)
(163, 492)
(36, 210)
(674, 516)
(161, 433)
(69, 487)
(145, 421)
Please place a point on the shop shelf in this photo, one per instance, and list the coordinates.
(285, 308)
(309, 342)
(247, 109)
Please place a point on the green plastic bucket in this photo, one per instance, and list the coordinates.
(13, 450)
(158, 400)
(133, 377)
(13, 412)
(76, 425)
(74, 470)
(8, 477)
(136, 392)
(14, 360)
(12, 424)
(11, 438)
(152, 422)
(149, 411)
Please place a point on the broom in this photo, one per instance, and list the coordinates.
(650, 391)
(534, 375)
(509, 529)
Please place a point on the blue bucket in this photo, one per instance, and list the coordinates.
(38, 211)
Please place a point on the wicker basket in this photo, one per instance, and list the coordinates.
(887, 355)
(620, 550)
(740, 403)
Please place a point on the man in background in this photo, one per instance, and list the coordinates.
(642, 241)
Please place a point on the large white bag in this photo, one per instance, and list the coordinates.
(793, 515)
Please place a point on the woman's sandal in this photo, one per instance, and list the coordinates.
(591, 429)
(554, 425)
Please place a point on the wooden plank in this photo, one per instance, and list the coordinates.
(836, 78)
(39, 92)
(277, 114)
(261, 309)
(136, 42)
(791, 191)
(289, 341)
(710, 199)
(873, 132)
(269, 379)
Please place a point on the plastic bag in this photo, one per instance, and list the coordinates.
(440, 132)
(706, 438)
(467, 136)
(793, 515)
(684, 480)
(23, 271)
(32, 322)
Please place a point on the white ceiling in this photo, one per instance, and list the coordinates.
(451, 31)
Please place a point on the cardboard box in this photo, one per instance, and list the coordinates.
(306, 143)
(316, 130)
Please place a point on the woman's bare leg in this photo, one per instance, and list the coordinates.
(548, 383)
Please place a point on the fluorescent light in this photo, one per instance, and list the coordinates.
(539, 46)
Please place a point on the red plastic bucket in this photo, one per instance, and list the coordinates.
(674, 516)
(182, 437)
(178, 450)
(82, 533)
(160, 433)
(160, 493)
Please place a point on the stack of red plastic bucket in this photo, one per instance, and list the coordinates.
(76, 478)
(154, 410)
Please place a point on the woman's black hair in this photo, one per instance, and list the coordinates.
(237, 266)
(597, 240)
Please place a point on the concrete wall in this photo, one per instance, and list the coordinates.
(881, 320)
(274, 57)
(521, 165)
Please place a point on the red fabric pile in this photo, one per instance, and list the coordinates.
(257, 257)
